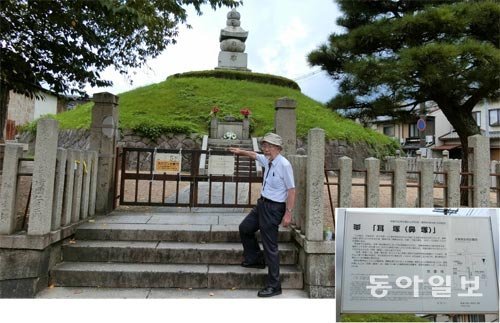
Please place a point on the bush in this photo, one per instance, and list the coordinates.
(31, 127)
(154, 131)
(242, 76)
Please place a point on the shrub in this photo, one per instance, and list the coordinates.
(242, 76)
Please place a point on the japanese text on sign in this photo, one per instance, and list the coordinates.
(167, 163)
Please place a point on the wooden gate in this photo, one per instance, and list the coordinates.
(171, 177)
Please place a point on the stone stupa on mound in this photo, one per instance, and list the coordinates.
(232, 44)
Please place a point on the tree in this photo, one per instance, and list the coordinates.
(63, 45)
(397, 54)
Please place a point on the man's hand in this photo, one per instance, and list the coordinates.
(234, 150)
(287, 219)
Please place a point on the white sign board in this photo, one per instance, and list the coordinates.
(221, 165)
(397, 263)
(168, 163)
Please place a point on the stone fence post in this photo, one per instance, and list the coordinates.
(497, 181)
(452, 169)
(285, 124)
(426, 167)
(400, 168)
(315, 184)
(345, 181)
(299, 165)
(9, 186)
(62, 155)
(372, 181)
(316, 255)
(479, 164)
(103, 133)
(44, 169)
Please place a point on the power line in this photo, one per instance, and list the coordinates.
(305, 76)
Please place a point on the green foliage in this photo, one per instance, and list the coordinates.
(155, 130)
(31, 127)
(381, 318)
(240, 75)
(184, 105)
(65, 45)
(398, 54)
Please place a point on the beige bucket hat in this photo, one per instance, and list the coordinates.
(273, 139)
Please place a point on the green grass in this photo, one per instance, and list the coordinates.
(381, 318)
(183, 105)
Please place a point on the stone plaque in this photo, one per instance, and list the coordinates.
(168, 163)
(400, 263)
(221, 165)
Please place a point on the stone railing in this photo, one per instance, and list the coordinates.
(450, 172)
(63, 195)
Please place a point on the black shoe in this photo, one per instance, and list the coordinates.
(258, 264)
(269, 291)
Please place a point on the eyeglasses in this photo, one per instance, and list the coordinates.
(266, 145)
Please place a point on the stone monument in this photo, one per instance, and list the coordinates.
(232, 44)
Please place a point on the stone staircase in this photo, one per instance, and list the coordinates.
(167, 250)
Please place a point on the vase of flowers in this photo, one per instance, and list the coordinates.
(245, 112)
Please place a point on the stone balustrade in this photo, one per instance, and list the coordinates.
(62, 194)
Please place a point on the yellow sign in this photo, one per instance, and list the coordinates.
(168, 163)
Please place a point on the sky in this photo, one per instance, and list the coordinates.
(281, 34)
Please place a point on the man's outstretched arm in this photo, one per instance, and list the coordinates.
(242, 152)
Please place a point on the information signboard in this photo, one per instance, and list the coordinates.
(168, 163)
(220, 165)
(399, 263)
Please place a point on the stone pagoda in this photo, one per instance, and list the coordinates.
(232, 44)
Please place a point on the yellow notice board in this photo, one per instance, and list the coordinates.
(168, 163)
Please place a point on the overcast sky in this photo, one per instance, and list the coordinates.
(281, 34)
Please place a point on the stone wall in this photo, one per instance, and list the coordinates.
(80, 139)
(334, 149)
(21, 108)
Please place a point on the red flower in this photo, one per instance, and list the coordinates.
(215, 109)
(246, 112)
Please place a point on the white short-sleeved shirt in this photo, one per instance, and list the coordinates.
(278, 179)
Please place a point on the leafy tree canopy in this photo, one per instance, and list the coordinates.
(63, 45)
(397, 54)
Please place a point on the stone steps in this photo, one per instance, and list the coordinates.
(167, 250)
(164, 252)
(137, 275)
(166, 232)
(158, 293)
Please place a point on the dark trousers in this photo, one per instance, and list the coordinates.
(266, 216)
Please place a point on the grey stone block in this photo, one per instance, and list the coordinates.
(129, 275)
(22, 288)
(220, 276)
(143, 232)
(320, 270)
(164, 252)
(321, 292)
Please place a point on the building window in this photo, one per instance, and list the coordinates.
(389, 131)
(414, 133)
(477, 116)
(495, 117)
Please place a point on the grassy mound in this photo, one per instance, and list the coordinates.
(183, 105)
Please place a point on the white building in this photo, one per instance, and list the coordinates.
(22, 110)
(439, 134)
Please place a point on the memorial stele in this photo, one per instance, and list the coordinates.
(232, 44)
